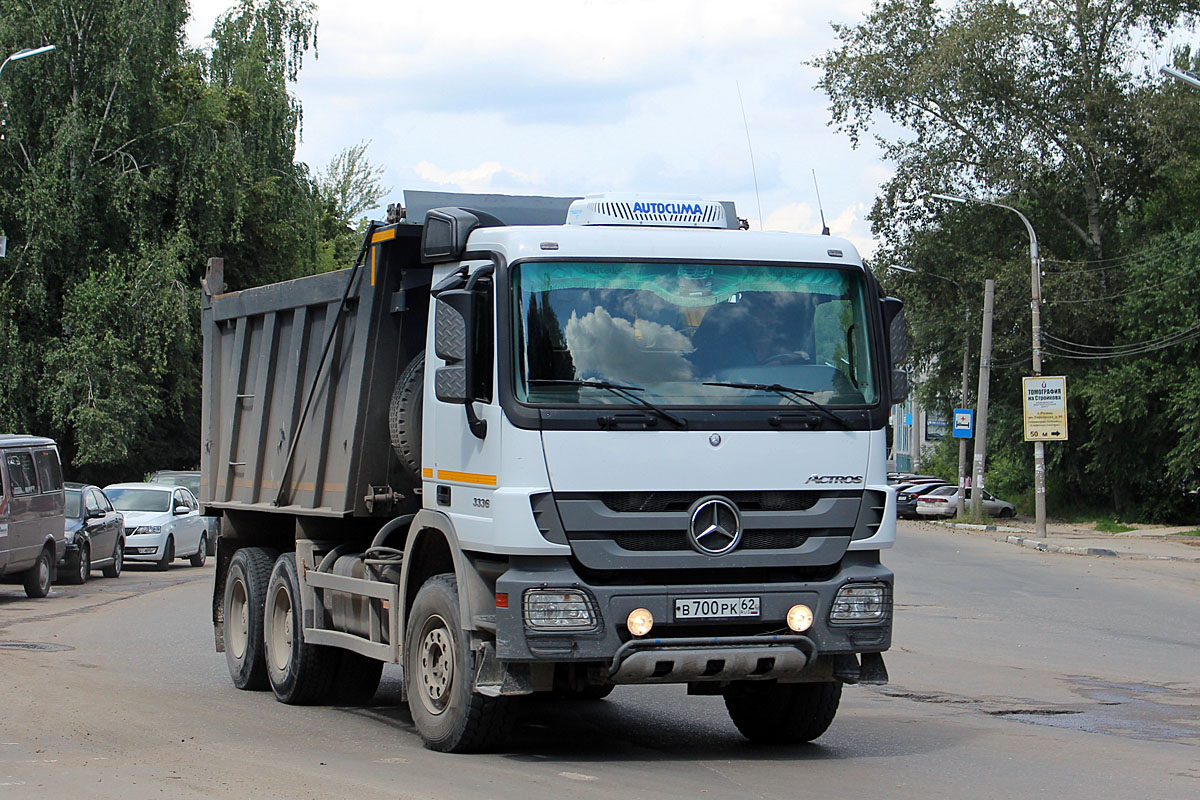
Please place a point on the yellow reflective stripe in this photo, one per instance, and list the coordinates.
(373, 266)
(427, 473)
(466, 477)
(383, 236)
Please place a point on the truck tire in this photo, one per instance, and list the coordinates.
(404, 415)
(245, 593)
(782, 713)
(356, 680)
(449, 716)
(38, 577)
(300, 673)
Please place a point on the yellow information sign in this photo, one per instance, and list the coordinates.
(1045, 409)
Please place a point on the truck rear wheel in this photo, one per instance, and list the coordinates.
(300, 673)
(450, 717)
(782, 713)
(245, 593)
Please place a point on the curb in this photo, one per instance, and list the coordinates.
(1047, 547)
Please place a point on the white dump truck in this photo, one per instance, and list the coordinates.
(533, 445)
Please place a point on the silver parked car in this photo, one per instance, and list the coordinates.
(943, 502)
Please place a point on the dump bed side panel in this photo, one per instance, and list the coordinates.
(298, 377)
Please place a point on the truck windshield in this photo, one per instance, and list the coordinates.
(670, 329)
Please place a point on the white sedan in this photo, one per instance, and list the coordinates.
(161, 523)
(943, 502)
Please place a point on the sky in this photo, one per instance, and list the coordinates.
(579, 96)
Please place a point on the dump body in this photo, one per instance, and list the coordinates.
(297, 381)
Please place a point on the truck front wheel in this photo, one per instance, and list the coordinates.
(245, 593)
(782, 713)
(299, 672)
(450, 717)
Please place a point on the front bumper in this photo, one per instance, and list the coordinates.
(695, 650)
(145, 547)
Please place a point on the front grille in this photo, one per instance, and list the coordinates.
(663, 502)
(658, 541)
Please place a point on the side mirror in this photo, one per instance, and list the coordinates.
(899, 386)
(182, 510)
(897, 327)
(94, 513)
(453, 341)
(452, 335)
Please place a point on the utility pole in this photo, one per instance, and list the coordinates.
(985, 374)
(962, 443)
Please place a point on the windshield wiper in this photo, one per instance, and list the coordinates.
(795, 395)
(620, 390)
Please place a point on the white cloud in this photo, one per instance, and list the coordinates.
(481, 178)
(590, 95)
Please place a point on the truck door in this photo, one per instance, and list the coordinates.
(462, 460)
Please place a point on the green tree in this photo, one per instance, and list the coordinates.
(129, 160)
(1041, 104)
(347, 188)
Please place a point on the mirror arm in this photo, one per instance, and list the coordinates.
(478, 426)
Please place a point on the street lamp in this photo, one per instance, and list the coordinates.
(1035, 304)
(1186, 77)
(26, 53)
(962, 443)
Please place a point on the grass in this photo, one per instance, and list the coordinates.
(1112, 526)
(1189, 533)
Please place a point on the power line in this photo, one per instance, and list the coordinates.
(1129, 259)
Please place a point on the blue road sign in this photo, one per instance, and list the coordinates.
(964, 423)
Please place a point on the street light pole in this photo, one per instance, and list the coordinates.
(1035, 304)
(962, 443)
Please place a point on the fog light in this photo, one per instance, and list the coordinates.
(639, 622)
(800, 618)
(860, 602)
(558, 610)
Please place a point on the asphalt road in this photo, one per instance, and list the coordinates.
(1014, 674)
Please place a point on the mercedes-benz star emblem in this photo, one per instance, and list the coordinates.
(716, 526)
(714, 439)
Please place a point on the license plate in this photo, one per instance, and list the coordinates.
(715, 607)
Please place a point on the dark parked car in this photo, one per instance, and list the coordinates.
(95, 535)
(906, 497)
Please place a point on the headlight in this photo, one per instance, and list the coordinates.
(558, 610)
(147, 529)
(860, 602)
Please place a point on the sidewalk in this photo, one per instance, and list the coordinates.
(1155, 542)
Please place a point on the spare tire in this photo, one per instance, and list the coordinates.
(404, 416)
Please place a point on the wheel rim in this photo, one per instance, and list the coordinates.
(238, 620)
(280, 642)
(119, 558)
(85, 563)
(435, 665)
(43, 569)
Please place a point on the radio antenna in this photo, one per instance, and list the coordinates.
(821, 208)
(753, 171)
